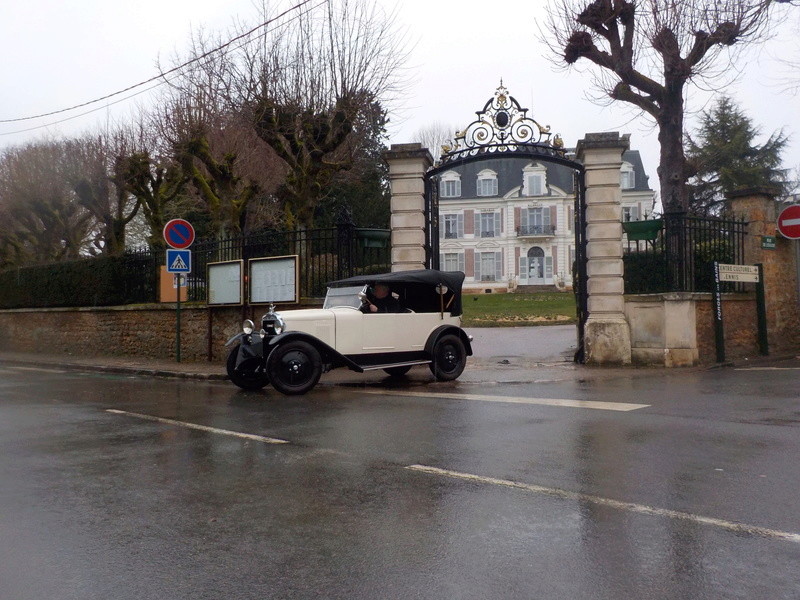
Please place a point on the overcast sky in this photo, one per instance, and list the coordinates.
(57, 54)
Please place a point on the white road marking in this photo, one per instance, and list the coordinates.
(37, 369)
(767, 369)
(626, 506)
(246, 436)
(617, 406)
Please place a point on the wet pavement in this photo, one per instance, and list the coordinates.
(526, 478)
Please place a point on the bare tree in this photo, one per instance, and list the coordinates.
(647, 52)
(435, 137)
(100, 188)
(306, 84)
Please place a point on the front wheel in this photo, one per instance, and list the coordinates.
(449, 358)
(250, 375)
(294, 367)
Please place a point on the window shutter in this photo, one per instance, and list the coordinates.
(546, 219)
(477, 266)
(498, 223)
(548, 267)
(523, 269)
(460, 262)
(634, 213)
(498, 266)
(460, 225)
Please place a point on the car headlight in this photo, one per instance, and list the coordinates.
(272, 323)
(248, 326)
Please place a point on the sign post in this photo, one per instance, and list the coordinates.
(179, 234)
(739, 274)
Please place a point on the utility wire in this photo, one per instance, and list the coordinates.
(161, 76)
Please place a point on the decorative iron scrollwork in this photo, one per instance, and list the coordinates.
(503, 126)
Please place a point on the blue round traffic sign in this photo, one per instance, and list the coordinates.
(179, 233)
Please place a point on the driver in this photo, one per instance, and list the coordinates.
(381, 300)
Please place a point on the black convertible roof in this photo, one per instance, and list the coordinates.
(423, 282)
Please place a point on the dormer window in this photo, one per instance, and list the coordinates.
(450, 185)
(487, 183)
(534, 180)
(627, 177)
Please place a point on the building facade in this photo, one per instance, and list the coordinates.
(509, 221)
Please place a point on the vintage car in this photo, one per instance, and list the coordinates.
(294, 347)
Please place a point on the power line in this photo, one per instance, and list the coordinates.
(161, 78)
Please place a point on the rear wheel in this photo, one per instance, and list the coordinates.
(294, 367)
(250, 375)
(449, 358)
(398, 371)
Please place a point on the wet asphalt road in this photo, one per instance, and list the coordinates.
(416, 491)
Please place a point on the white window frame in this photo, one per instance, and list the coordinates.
(487, 183)
(630, 213)
(528, 221)
(452, 261)
(493, 217)
(495, 257)
(450, 185)
(627, 176)
(534, 180)
(451, 226)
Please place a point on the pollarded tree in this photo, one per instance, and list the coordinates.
(647, 53)
(723, 157)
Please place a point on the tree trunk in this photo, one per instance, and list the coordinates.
(672, 162)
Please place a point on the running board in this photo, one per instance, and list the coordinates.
(400, 364)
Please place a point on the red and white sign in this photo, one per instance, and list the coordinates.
(179, 233)
(789, 222)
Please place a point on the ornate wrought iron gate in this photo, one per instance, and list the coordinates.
(503, 129)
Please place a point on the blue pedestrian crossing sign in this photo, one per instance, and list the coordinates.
(179, 261)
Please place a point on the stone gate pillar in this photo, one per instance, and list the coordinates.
(407, 166)
(607, 335)
(781, 286)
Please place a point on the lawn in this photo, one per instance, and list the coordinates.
(516, 310)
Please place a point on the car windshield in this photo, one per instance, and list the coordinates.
(343, 296)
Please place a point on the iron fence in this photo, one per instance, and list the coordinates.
(676, 253)
(324, 255)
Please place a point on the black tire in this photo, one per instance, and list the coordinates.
(294, 367)
(397, 371)
(250, 375)
(449, 358)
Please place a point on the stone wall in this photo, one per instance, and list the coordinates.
(739, 323)
(143, 331)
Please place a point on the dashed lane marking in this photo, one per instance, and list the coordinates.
(626, 506)
(37, 369)
(566, 402)
(246, 436)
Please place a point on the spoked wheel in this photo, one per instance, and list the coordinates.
(250, 375)
(397, 371)
(294, 367)
(449, 358)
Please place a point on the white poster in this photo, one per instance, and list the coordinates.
(273, 279)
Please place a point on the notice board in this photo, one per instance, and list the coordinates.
(273, 279)
(225, 284)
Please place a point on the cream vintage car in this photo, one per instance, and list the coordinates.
(294, 347)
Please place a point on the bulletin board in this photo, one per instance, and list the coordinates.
(273, 279)
(225, 283)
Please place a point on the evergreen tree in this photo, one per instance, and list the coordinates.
(723, 157)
